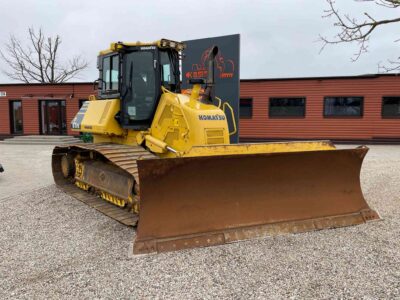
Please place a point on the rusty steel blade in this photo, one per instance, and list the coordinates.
(201, 201)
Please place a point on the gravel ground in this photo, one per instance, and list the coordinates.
(26, 167)
(52, 246)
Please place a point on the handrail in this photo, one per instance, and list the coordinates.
(220, 102)
(226, 104)
(165, 90)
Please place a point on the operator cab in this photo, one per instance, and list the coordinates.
(134, 73)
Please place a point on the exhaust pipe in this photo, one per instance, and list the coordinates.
(210, 82)
(210, 73)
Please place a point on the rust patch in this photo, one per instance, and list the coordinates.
(246, 233)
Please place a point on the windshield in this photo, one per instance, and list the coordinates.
(140, 93)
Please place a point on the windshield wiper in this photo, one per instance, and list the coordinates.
(130, 79)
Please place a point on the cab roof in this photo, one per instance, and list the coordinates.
(163, 44)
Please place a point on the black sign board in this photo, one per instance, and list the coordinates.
(227, 70)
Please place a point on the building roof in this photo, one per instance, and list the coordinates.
(365, 76)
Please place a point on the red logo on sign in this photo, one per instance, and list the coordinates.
(225, 67)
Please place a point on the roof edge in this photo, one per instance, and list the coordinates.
(39, 84)
(364, 76)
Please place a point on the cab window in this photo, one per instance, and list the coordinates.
(167, 75)
(110, 73)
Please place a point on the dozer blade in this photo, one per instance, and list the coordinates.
(210, 200)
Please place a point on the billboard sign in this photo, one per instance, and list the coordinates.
(227, 70)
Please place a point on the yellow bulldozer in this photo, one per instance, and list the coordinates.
(162, 160)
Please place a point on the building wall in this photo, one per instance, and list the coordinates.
(4, 117)
(30, 95)
(314, 125)
(260, 127)
(30, 115)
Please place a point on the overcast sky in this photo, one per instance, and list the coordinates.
(278, 38)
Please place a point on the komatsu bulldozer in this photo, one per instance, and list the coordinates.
(162, 160)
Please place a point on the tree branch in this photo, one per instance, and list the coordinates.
(37, 62)
(352, 30)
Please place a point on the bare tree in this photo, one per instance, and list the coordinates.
(352, 30)
(39, 60)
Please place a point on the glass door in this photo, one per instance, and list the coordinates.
(16, 117)
(53, 117)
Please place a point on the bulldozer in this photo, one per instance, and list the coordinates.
(161, 160)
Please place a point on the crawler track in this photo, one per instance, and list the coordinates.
(123, 156)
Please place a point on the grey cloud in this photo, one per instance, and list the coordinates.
(278, 38)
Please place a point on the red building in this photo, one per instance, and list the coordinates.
(40, 108)
(338, 108)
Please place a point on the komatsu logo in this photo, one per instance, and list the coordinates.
(211, 117)
(148, 48)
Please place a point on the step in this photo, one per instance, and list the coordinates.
(13, 142)
(44, 140)
(43, 137)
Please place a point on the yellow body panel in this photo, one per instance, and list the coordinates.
(180, 122)
(183, 124)
(258, 148)
(128, 138)
(98, 118)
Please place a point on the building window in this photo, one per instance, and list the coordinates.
(391, 107)
(287, 107)
(246, 108)
(16, 117)
(343, 106)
